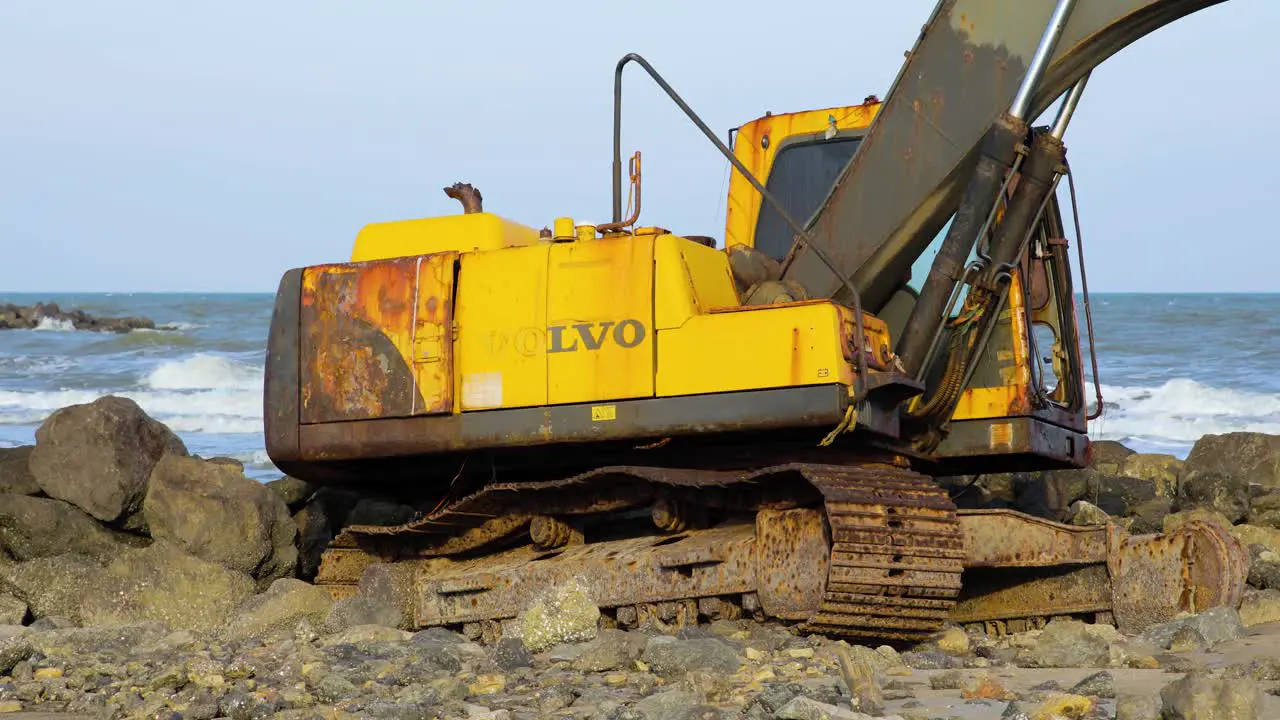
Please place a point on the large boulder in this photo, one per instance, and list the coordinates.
(294, 492)
(1108, 456)
(15, 471)
(1221, 469)
(216, 513)
(314, 534)
(32, 527)
(163, 583)
(52, 586)
(279, 610)
(1161, 471)
(1265, 510)
(565, 614)
(1197, 696)
(98, 457)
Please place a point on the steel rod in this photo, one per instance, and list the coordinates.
(1040, 60)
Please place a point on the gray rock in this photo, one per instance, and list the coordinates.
(949, 680)
(294, 492)
(803, 708)
(366, 638)
(1161, 470)
(1148, 517)
(612, 649)
(1139, 707)
(671, 705)
(929, 660)
(509, 654)
(1264, 510)
(314, 534)
(99, 456)
(15, 471)
(1259, 607)
(1198, 696)
(668, 656)
(162, 583)
(565, 614)
(377, 512)
(1083, 512)
(216, 513)
(1109, 456)
(1215, 625)
(359, 610)
(34, 527)
(12, 610)
(278, 610)
(1068, 643)
(1221, 468)
(51, 585)
(13, 650)
(1099, 684)
(435, 651)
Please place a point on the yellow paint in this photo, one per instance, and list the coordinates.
(689, 279)
(601, 413)
(1011, 398)
(744, 200)
(767, 346)
(600, 320)
(461, 233)
(501, 319)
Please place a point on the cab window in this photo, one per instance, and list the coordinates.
(802, 176)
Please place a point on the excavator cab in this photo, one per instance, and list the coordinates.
(1024, 407)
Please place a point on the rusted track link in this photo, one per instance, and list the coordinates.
(897, 554)
(877, 554)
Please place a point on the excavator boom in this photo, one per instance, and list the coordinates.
(911, 168)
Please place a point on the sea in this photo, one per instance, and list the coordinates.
(1173, 367)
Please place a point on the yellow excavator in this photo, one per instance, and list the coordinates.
(693, 432)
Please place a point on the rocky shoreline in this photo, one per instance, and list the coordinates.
(139, 581)
(50, 316)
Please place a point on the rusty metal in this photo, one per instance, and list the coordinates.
(551, 532)
(1156, 577)
(472, 201)
(1007, 538)
(1015, 595)
(376, 339)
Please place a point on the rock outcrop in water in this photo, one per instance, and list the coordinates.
(49, 315)
(137, 580)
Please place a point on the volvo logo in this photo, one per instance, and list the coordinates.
(593, 336)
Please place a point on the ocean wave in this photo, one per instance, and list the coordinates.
(1180, 411)
(205, 372)
(51, 324)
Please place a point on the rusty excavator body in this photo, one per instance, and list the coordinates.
(693, 433)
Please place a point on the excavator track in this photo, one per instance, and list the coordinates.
(872, 551)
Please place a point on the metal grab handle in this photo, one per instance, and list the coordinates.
(860, 340)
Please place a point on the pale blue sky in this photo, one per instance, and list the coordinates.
(211, 146)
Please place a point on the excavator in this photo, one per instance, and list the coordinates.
(690, 430)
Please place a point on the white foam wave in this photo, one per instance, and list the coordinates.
(51, 324)
(205, 372)
(1180, 411)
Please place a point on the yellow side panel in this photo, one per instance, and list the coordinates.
(750, 148)
(689, 279)
(759, 347)
(501, 319)
(460, 233)
(600, 320)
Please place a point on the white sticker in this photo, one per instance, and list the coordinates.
(482, 390)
